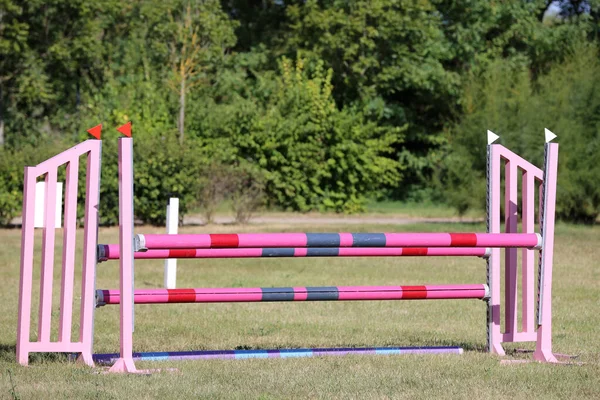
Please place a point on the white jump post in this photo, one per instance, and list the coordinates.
(40, 205)
(172, 225)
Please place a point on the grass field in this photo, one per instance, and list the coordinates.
(475, 374)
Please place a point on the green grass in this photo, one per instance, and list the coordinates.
(387, 207)
(319, 324)
(418, 210)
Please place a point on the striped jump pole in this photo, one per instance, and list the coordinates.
(325, 293)
(260, 240)
(109, 359)
(111, 252)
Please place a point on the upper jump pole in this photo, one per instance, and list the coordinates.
(310, 240)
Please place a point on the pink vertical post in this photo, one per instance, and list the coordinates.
(494, 333)
(90, 240)
(48, 238)
(510, 254)
(68, 257)
(527, 268)
(543, 350)
(125, 362)
(26, 280)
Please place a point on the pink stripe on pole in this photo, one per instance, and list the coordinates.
(456, 251)
(272, 240)
(300, 294)
(527, 240)
(455, 291)
(179, 241)
(217, 295)
(418, 239)
(228, 253)
(300, 252)
(370, 292)
(346, 239)
(228, 297)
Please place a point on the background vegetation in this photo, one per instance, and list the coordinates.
(323, 104)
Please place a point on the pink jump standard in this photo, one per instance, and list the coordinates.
(49, 168)
(125, 362)
(487, 245)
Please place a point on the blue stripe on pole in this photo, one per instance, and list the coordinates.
(322, 251)
(154, 356)
(387, 351)
(278, 252)
(251, 354)
(322, 240)
(368, 240)
(290, 353)
(277, 294)
(322, 293)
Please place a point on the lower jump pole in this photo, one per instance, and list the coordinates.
(111, 252)
(325, 293)
(109, 359)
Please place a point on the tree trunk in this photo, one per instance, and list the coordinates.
(181, 109)
(1, 118)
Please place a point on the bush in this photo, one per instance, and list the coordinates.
(11, 185)
(215, 187)
(12, 163)
(314, 156)
(164, 169)
(247, 193)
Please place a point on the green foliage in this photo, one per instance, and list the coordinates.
(386, 51)
(11, 185)
(566, 100)
(162, 169)
(314, 156)
(366, 112)
(12, 162)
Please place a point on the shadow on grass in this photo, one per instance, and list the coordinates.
(8, 354)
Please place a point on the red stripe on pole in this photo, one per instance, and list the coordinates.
(414, 251)
(463, 239)
(182, 295)
(414, 292)
(182, 253)
(224, 240)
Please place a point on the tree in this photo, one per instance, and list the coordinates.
(507, 100)
(50, 53)
(202, 33)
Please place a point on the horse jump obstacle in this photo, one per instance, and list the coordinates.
(486, 245)
(111, 252)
